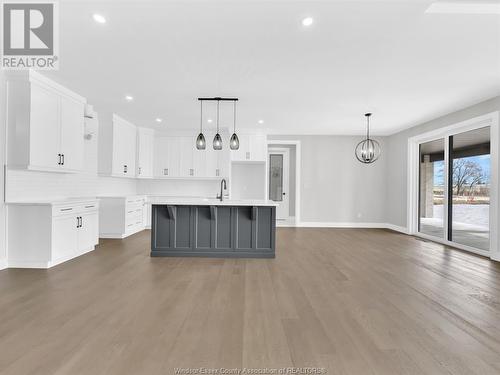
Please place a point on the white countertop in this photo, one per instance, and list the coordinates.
(54, 202)
(188, 201)
(154, 199)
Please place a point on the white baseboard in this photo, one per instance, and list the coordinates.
(28, 264)
(120, 236)
(3, 264)
(396, 228)
(323, 224)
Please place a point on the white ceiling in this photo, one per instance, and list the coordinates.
(386, 57)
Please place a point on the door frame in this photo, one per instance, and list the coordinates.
(413, 179)
(285, 152)
(297, 144)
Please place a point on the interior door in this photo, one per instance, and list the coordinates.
(45, 134)
(72, 129)
(279, 185)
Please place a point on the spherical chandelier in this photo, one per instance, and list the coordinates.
(368, 150)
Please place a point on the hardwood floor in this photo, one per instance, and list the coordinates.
(352, 301)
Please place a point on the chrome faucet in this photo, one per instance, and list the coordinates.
(222, 188)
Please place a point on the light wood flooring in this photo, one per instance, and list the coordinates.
(351, 301)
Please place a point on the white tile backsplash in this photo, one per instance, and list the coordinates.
(28, 185)
(179, 188)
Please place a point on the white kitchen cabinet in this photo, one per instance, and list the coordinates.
(44, 234)
(117, 147)
(72, 130)
(167, 158)
(145, 152)
(253, 148)
(121, 216)
(177, 157)
(45, 124)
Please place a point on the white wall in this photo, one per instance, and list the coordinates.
(3, 245)
(248, 181)
(335, 187)
(396, 149)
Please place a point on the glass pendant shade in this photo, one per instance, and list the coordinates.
(201, 144)
(234, 142)
(217, 142)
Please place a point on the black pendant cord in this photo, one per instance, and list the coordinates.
(368, 125)
(201, 117)
(218, 116)
(234, 117)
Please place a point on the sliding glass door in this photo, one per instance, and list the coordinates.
(454, 188)
(469, 189)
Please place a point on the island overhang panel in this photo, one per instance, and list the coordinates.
(222, 231)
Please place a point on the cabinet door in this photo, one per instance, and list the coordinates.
(44, 128)
(243, 153)
(145, 145)
(124, 145)
(223, 163)
(88, 233)
(186, 157)
(258, 148)
(211, 162)
(173, 156)
(161, 156)
(200, 161)
(64, 236)
(72, 127)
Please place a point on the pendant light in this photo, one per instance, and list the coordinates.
(234, 142)
(217, 143)
(368, 150)
(201, 144)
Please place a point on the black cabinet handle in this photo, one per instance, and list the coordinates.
(62, 162)
(58, 159)
(124, 169)
(78, 222)
(81, 221)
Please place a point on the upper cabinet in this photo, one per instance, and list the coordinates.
(253, 148)
(117, 147)
(145, 152)
(45, 125)
(177, 157)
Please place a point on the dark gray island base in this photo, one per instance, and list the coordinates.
(224, 231)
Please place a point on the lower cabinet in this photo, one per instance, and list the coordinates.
(121, 216)
(42, 235)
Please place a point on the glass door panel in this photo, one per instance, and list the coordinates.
(276, 177)
(432, 188)
(470, 188)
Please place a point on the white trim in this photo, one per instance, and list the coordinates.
(298, 163)
(325, 224)
(456, 245)
(285, 153)
(489, 119)
(396, 228)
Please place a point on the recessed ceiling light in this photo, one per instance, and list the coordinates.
(308, 21)
(464, 7)
(129, 98)
(260, 121)
(209, 120)
(158, 120)
(99, 18)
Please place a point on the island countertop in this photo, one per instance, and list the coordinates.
(189, 201)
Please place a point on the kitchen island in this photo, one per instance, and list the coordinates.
(213, 228)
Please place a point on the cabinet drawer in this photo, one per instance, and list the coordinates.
(74, 209)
